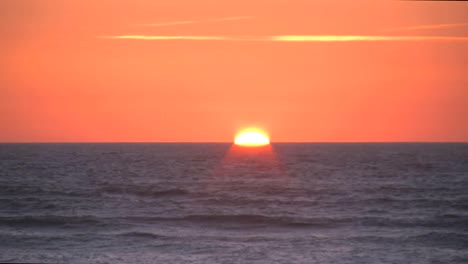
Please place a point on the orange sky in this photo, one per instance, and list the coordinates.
(110, 70)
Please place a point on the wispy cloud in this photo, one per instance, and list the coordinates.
(428, 27)
(294, 38)
(147, 37)
(176, 23)
(331, 38)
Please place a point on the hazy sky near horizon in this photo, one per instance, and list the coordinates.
(201, 70)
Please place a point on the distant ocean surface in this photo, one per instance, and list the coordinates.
(217, 203)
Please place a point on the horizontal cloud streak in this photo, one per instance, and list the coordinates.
(315, 38)
(143, 37)
(427, 27)
(294, 38)
(196, 21)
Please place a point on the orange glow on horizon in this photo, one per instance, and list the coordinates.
(252, 138)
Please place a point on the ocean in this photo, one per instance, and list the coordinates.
(219, 203)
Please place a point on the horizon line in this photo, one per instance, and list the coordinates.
(225, 142)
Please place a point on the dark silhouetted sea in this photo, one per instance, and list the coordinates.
(217, 203)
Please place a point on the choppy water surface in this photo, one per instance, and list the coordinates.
(215, 203)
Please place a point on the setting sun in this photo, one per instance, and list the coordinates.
(252, 138)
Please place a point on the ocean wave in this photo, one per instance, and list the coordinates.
(140, 234)
(244, 219)
(447, 221)
(443, 221)
(433, 238)
(22, 238)
(254, 201)
(399, 188)
(14, 190)
(16, 204)
(143, 191)
(209, 237)
(407, 222)
(407, 202)
(443, 237)
(53, 221)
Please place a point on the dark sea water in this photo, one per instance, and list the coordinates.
(215, 203)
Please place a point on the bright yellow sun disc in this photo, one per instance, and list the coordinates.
(252, 139)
